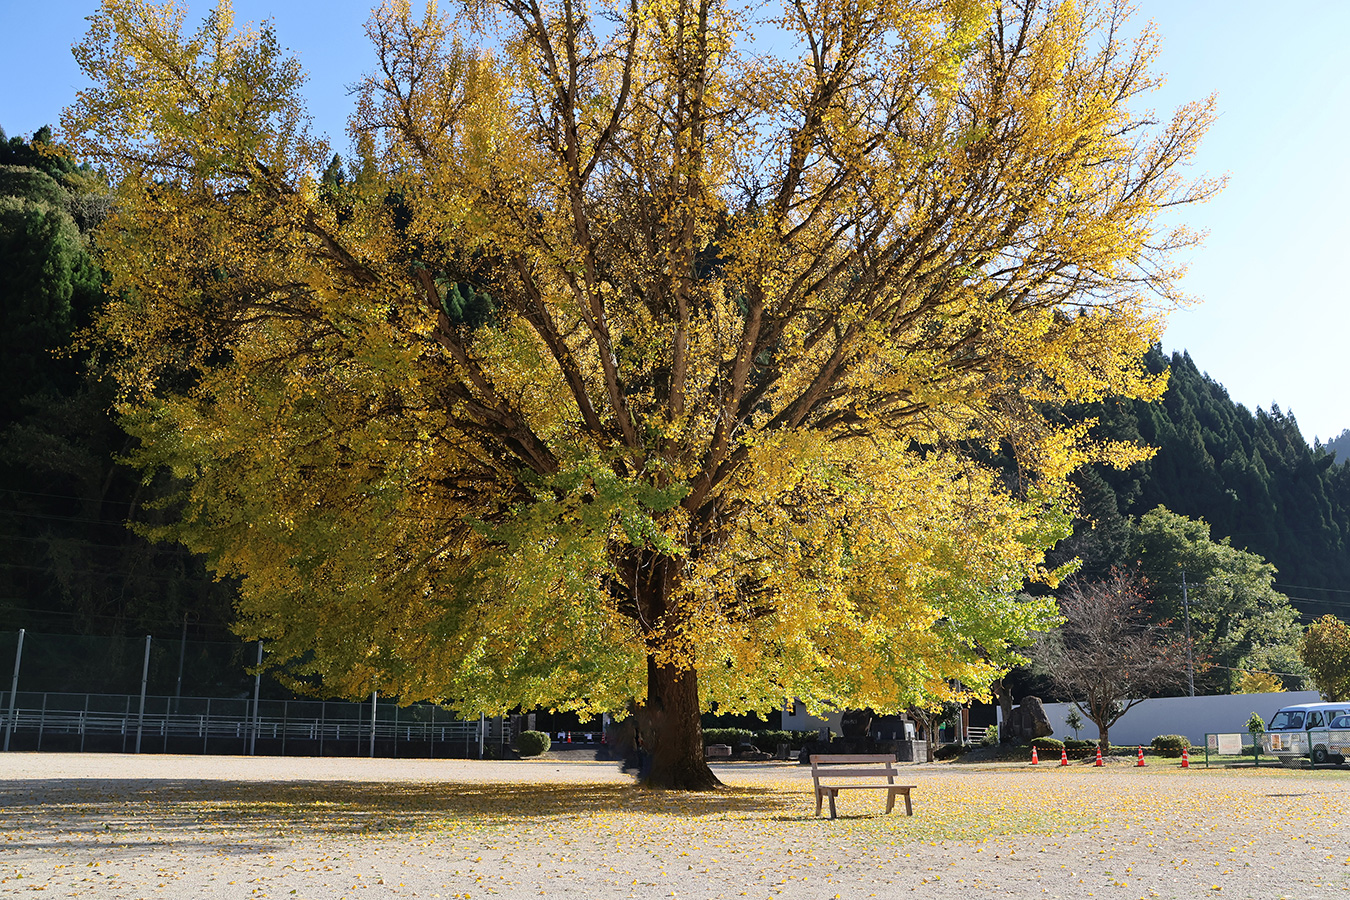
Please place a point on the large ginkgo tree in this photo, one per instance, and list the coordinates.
(646, 355)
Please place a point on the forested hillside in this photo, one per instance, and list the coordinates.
(68, 563)
(1251, 476)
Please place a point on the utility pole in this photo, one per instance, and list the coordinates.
(1190, 660)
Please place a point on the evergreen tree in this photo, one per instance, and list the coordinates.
(69, 561)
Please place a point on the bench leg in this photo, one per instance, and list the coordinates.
(818, 799)
(833, 814)
(909, 808)
(890, 801)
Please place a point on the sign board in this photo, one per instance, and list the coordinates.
(1224, 744)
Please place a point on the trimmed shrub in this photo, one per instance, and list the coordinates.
(532, 743)
(732, 737)
(768, 741)
(949, 751)
(1171, 744)
(1070, 744)
(1047, 743)
(990, 736)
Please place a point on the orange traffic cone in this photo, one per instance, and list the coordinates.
(1185, 759)
(1034, 759)
(1099, 756)
(1063, 756)
(1140, 764)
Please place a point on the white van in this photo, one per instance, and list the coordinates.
(1317, 731)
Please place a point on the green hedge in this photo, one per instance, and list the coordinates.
(1047, 743)
(1171, 744)
(767, 741)
(733, 737)
(532, 743)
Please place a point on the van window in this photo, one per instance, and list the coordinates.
(1314, 719)
(1341, 721)
(1287, 720)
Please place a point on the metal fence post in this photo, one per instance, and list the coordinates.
(482, 734)
(182, 654)
(257, 687)
(374, 699)
(145, 679)
(13, 689)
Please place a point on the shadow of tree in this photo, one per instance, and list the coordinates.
(132, 808)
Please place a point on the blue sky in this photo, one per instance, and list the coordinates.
(1273, 309)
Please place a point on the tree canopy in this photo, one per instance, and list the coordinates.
(1238, 621)
(1325, 648)
(47, 278)
(626, 364)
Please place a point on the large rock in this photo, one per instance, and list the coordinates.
(1029, 720)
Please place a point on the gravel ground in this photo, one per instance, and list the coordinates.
(115, 826)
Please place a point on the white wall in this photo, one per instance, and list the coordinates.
(796, 718)
(1192, 716)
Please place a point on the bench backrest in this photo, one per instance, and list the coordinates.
(853, 765)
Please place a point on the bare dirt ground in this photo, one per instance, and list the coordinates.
(112, 826)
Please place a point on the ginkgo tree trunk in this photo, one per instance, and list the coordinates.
(644, 353)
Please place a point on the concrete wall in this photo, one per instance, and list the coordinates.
(1192, 716)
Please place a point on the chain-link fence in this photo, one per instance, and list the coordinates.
(159, 696)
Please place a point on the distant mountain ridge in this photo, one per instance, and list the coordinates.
(1340, 445)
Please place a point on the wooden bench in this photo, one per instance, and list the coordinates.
(857, 765)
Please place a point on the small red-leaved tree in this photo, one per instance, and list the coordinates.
(1108, 656)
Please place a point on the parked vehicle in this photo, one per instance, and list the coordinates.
(1335, 739)
(1316, 731)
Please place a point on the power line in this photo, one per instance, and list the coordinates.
(1309, 587)
(120, 574)
(58, 496)
(1257, 671)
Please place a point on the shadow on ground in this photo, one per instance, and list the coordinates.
(139, 811)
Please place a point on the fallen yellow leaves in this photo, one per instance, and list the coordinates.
(1101, 834)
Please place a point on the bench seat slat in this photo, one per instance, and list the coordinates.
(854, 787)
(835, 758)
